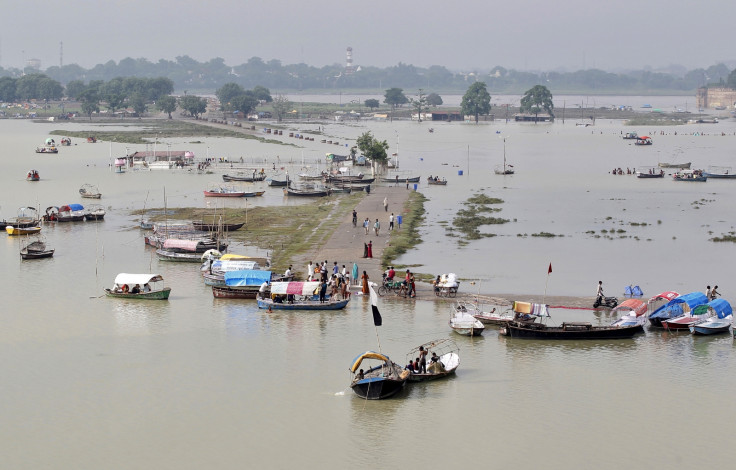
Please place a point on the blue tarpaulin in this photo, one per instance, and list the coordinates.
(247, 278)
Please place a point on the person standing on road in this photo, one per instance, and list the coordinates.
(385, 204)
(370, 249)
(391, 222)
(377, 227)
(366, 224)
(355, 218)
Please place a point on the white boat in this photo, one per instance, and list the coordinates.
(90, 191)
(632, 311)
(95, 212)
(442, 360)
(463, 323)
(719, 322)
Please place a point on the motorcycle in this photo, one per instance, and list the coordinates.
(609, 302)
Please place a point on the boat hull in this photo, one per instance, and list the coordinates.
(16, 231)
(378, 388)
(710, 330)
(681, 166)
(247, 179)
(569, 331)
(26, 254)
(162, 294)
(303, 305)
(180, 257)
(224, 292)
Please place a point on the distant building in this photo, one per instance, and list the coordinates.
(712, 97)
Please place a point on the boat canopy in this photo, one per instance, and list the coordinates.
(721, 307)
(188, 245)
(295, 288)
(633, 291)
(124, 278)
(529, 308)
(668, 296)
(637, 306)
(49, 141)
(71, 207)
(231, 256)
(678, 306)
(247, 277)
(367, 355)
(233, 265)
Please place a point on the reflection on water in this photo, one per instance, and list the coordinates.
(92, 382)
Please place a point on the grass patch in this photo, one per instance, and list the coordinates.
(286, 231)
(730, 237)
(408, 237)
(546, 235)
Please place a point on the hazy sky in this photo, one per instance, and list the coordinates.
(459, 34)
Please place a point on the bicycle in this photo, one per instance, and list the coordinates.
(388, 286)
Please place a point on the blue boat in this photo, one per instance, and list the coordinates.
(243, 284)
(380, 381)
(677, 307)
(719, 322)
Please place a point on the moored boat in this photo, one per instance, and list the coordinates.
(632, 311)
(69, 213)
(16, 231)
(248, 178)
(569, 330)
(95, 212)
(643, 140)
(36, 250)
(722, 172)
(213, 227)
(90, 191)
(33, 176)
(650, 172)
(681, 166)
(719, 322)
(139, 286)
(401, 179)
(299, 296)
(690, 176)
(436, 181)
(677, 307)
(223, 191)
(463, 323)
(316, 192)
(242, 284)
(380, 381)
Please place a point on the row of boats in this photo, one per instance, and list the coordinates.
(692, 312)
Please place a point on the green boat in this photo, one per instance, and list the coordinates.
(139, 286)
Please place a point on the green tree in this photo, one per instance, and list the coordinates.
(194, 105)
(433, 99)
(113, 94)
(281, 105)
(90, 102)
(226, 93)
(262, 94)
(74, 89)
(7, 89)
(372, 148)
(731, 81)
(167, 104)
(476, 101)
(371, 103)
(536, 99)
(395, 97)
(419, 104)
(245, 103)
(138, 102)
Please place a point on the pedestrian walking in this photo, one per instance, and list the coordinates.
(385, 204)
(310, 271)
(391, 222)
(370, 249)
(355, 218)
(377, 227)
(398, 221)
(366, 224)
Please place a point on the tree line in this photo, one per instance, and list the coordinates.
(188, 74)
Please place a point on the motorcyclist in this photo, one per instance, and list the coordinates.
(599, 294)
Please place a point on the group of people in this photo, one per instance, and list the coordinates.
(408, 284)
(419, 365)
(619, 171)
(336, 279)
(136, 289)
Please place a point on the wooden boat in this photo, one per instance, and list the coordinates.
(340, 190)
(27, 217)
(298, 296)
(632, 311)
(213, 227)
(69, 213)
(32, 176)
(677, 307)
(223, 192)
(444, 360)
(722, 172)
(690, 176)
(380, 381)
(681, 166)
(95, 212)
(256, 176)
(463, 323)
(520, 311)
(16, 231)
(504, 169)
(401, 179)
(276, 181)
(436, 181)
(643, 140)
(630, 136)
(242, 284)
(344, 178)
(191, 251)
(568, 330)
(306, 192)
(47, 149)
(90, 191)
(650, 172)
(36, 250)
(139, 286)
(720, 322)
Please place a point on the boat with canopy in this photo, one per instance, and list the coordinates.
(139, 286)
(379, 381)
(297, 295)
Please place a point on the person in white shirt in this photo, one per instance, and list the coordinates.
(310, 271)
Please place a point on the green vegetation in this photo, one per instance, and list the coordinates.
(730, 237)
(546, 235)
(468, 221)
(408, 237)
(476, 101)
(144, 131)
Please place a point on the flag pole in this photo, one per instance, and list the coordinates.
(549, 271)
(377, 320)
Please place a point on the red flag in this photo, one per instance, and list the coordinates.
(549, 271)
